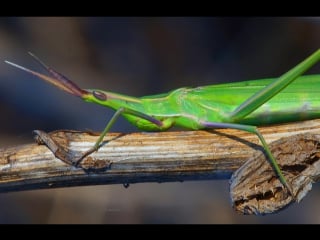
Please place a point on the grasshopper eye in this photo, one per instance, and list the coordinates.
(99, 95)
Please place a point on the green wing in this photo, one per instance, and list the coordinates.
(299, 101)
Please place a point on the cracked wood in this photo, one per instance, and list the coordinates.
(255, 189)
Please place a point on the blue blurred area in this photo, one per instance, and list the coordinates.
(137, 56)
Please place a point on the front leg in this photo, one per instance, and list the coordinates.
(114, 118)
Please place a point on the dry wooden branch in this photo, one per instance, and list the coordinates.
(255, 188)
(139, 157)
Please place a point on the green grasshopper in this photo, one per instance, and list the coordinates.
(241, 105)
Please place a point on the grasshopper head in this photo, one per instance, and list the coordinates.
(104, 98)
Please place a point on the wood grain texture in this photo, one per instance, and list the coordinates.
(139, 157)
(255, 188)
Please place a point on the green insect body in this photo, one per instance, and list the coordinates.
(187, 107)
(241, 105)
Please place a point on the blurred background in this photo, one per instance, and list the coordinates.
(137, 56)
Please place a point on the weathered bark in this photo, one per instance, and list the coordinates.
(138, 157)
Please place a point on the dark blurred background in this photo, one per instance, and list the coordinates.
(137, 56)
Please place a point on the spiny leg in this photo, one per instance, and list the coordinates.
(268, 92)
(110, 124)
(265, 94)
(254, 130)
